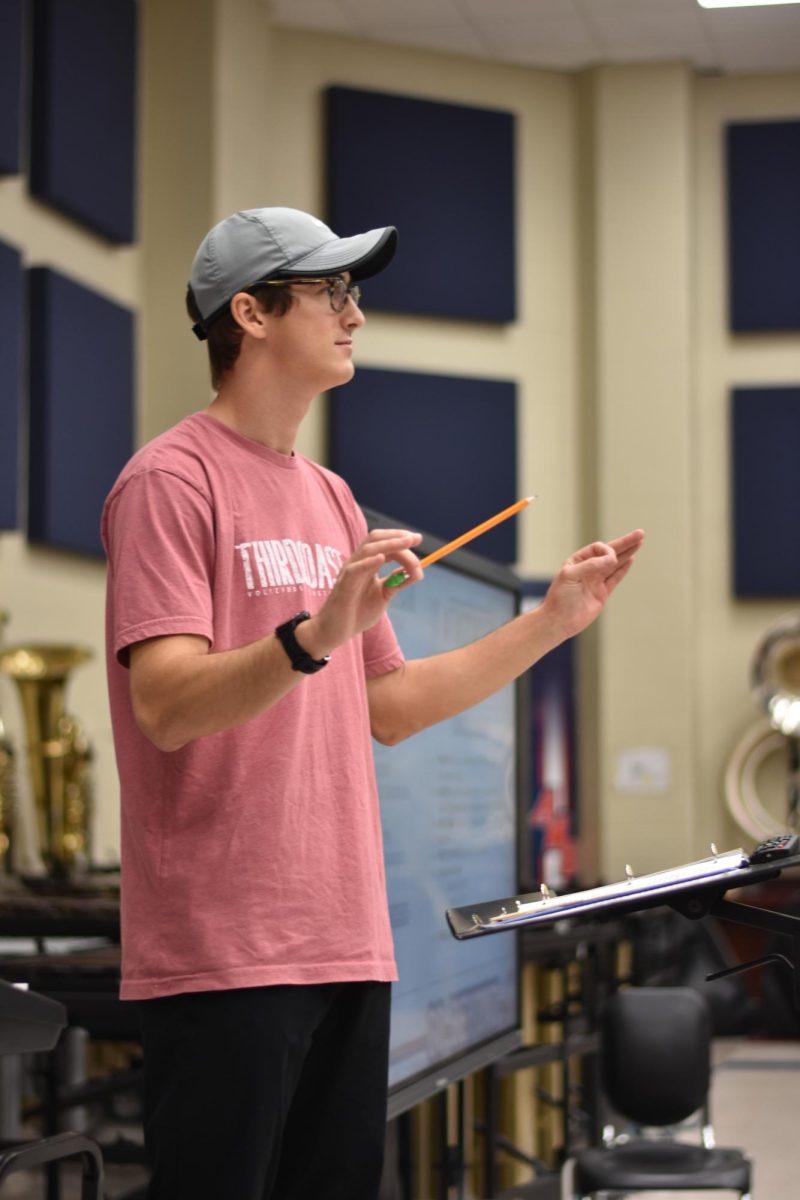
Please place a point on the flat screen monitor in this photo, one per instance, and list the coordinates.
(450, 803)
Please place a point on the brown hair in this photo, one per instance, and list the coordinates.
(225, 334)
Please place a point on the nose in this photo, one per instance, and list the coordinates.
(352, 315)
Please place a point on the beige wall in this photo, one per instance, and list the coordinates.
(175, 201)
(667, 667)
(52, 596)
(727, 631)
(540, 349)
(620, 353)
(640, 128)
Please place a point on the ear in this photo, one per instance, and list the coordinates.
(249, 315)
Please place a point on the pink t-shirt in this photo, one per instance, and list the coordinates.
(252, 856)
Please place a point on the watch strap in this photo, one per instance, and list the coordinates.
(300, 659)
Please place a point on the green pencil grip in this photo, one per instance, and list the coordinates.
(395, 579)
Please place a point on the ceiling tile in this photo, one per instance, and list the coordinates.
(698, 58)
(421, 14)
(754, 39)
(645, 19)
(546, 58)
(759, 54)
(780, 22)
(487, 11)
(323, 15)
(565, 34)
(767, 21)
(635, 9)
(452, 39)
(540, 37)
(666, 43)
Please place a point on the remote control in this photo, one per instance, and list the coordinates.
(783, 845)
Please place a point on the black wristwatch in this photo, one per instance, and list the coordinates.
(301, 660)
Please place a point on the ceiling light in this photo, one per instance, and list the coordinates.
(742, 3)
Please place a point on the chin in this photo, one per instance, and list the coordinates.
(343, 375)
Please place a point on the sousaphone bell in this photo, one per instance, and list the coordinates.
(775, 685)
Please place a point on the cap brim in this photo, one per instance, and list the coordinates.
(363, 255)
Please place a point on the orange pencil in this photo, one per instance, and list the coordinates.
(398, 577)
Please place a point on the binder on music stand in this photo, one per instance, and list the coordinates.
(696, 889)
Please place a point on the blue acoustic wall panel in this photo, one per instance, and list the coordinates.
(766, 491)
(11, 27)
(444, 175)
(83, 117)
(81, 400)
(11, 324)
(764, 225)
(438, 451)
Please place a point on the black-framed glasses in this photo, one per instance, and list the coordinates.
(338, 289)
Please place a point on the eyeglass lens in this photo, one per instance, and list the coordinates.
(340, 290)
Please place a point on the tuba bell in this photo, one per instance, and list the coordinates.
(775, 685)
(775, 675)
(58, 753)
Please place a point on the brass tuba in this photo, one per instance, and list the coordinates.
(775, 685)
(57, 751)
(775, 675)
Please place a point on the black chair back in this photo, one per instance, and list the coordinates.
(28, 1022)
(657, 1054)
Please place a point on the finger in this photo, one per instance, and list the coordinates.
(396, 546)
(355, 569)
(596, 550)
(397, 580)
(408, 561)
(616, 579)
(591, 570)
(411, 580)
(629, 541)
(383, 535)
(627, 555)
(408, 564)
(407, 536)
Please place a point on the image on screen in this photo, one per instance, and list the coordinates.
(449, 811)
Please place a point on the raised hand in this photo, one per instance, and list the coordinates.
(584, 583)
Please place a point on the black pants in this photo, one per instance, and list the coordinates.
(275, 1093)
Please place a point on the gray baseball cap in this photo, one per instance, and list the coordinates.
(259, 244)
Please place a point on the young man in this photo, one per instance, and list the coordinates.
(251, 657)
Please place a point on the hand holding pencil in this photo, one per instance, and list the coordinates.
(398, 577)
(580, 589)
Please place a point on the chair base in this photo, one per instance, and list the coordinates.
(23, 1156)
(659, 1166)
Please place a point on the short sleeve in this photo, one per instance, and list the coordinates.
(160, 541)
(382, 651)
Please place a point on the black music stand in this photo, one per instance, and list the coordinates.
(694, 890)
(30, 1023)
